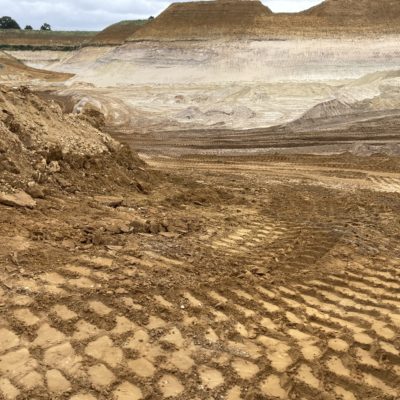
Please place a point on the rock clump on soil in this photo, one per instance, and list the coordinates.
(17, 199)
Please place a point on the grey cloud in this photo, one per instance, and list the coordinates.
(97, 14)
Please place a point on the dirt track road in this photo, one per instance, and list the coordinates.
(283, 284)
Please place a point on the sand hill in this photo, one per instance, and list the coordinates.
(251, 19)
(116, 34)
(346, 10)
(205, 19)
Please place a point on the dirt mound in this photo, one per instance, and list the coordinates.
(116, 34)
(327, 109)
(205, 19)
(41, 148)
(12, 69)
(345, 10)
(201, 20)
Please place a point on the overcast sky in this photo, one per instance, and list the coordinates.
(97, 14)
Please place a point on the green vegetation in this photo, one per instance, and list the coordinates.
(8, 23)
(46, 39)
(139, 22)
(45, 27)
(35, 32)
(12, 39)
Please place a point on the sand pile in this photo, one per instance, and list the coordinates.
(327, 109)
(201, 20)
(41, 148)
(347, 10)
(116, 34)
(373, 99)
(205, 19)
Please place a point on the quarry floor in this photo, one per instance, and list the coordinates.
(278, 278)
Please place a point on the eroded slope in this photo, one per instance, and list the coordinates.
(116, 34)
(13, 70)
(346, 11)
(205, 19)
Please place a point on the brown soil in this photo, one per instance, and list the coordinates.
(251, 19)
(286, 288)
(348, 10)
(42, 149)
(359, 134)
(116, 34)
(200, 19)
(208, 278)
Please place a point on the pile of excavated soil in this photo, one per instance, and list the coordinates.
(205, 19)
(348, 10)
(41, 150)
(12, 69)
(116, 34)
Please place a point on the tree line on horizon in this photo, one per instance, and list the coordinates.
(10, 23)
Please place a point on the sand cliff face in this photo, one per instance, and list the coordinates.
(232, 83)
(240, 61)
(13, 70)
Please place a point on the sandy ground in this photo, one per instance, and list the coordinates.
(276, 280)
